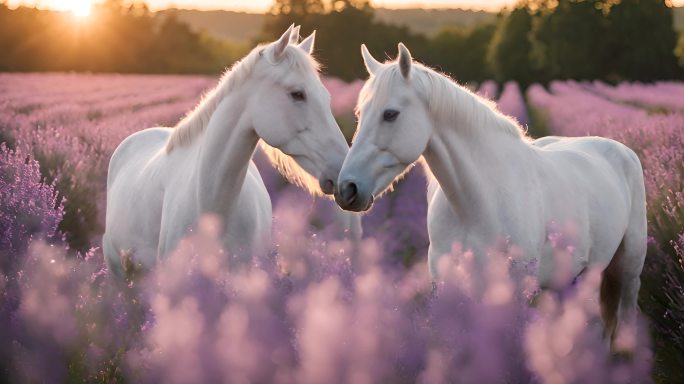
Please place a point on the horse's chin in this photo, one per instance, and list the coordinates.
(370, 203)
(360, 208)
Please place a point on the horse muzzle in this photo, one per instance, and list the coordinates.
(352, 198)
(327, 185)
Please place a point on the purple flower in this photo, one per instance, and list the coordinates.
(319, 307)
(28, 207)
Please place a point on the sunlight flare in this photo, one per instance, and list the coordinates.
(79, 8)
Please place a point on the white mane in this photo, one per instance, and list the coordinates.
(446, 99)
(194, 123)
(291, 170)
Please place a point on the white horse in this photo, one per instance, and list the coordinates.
(493, 183)
(161, 180)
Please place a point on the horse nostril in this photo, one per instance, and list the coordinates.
(328, 186)
(349, 193)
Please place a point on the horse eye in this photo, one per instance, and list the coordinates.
(390, 115)
(298, 95)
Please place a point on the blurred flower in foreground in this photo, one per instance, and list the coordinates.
(333, 311)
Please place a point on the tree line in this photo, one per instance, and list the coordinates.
(117, 37)
(534, 41)
(537, 40)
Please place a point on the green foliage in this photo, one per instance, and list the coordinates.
(679, 51)
(539, 122)
(639, 55)
(243, 27)
(568, 41)
(537, 41)
(342, 26)
(463, 53)
(542, 40)
(510, 50)
(459, 52)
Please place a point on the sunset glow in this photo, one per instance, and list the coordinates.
(82, 8)
(79, 8)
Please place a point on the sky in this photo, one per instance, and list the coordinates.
(81, 6)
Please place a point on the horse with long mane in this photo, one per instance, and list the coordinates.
(490, 182)
(161, 180)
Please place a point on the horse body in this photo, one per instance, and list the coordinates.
(589, 190)
(146, 180)
(162, 180)
(492, 185)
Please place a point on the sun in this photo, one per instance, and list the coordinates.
(79, 8)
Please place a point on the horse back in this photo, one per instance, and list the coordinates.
(604, 182)
(138, 147)
(598, 154)
(133, 208)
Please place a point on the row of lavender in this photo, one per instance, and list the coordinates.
(317, 310)
(650, 120)
(72, 123)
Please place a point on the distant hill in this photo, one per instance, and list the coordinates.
(430, 21)
(243, 27)
(239, 27)
(679, 18)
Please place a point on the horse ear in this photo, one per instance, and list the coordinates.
(405, 60)
(282, 43)
(372, 65)
(308, 44)
(294, 35)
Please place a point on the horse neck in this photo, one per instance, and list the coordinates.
(224, 154)
(473, 159)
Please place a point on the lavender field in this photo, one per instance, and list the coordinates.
(319, 307)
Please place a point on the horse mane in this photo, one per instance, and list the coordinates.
(194, 122)
(288, 167)
(442, 95)
(446, 99)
